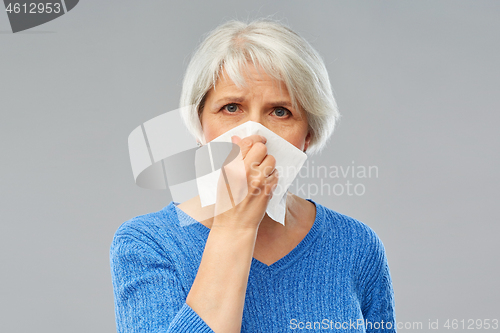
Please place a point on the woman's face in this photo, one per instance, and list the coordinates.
(261, 101)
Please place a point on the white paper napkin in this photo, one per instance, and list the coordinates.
(289, 160)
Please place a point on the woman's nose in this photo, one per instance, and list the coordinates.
(256, 117)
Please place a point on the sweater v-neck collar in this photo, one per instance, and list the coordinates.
(257, 265)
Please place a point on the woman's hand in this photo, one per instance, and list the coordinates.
(246, 185)
(243, 192)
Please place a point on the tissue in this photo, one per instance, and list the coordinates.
(289, 160)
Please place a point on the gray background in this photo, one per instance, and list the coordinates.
(417, 83)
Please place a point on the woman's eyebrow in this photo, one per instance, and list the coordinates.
(239, 99)
(281, 103)
(227, 99)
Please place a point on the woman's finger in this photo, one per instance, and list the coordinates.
(267, 166)
(247, 143)
(256, 156)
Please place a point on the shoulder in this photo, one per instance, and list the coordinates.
(153, 231)
(359, 244)
(136, 235)
(349, 229)
(140, 226)
(353, 242)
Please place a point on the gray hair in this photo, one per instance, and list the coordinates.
(283, 55)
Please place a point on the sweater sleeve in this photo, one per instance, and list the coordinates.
(378, 295)
(148, 294)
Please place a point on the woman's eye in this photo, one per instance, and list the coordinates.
(232, 108)
(281, 112)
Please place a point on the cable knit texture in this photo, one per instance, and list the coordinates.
(337, 278)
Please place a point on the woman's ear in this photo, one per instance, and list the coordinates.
(307, 141)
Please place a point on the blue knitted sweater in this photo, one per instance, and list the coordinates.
(337, 278)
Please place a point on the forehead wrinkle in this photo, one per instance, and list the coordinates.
(225, 99)
(261, 75)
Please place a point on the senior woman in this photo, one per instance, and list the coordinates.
(240, 270)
